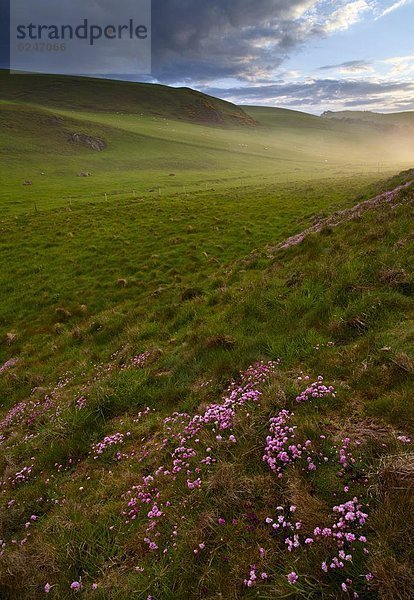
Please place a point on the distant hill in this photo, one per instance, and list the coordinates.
(103, 95)
(283, 117)
(379, 120)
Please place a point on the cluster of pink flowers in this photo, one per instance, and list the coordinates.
(281, 449)
(344, 530)
(283, 524)
(143, 413)
(292, 578)
(346, 533)
(346, 458)
(222, 415)
(80, 402)
(29, 411)
(188, 457)
(108, 441)
(22, 476)
(316, 390)
(141, 360)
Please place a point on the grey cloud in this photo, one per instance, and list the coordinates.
(351, 65)
(198, 41)
(195, 40)
(316, 93)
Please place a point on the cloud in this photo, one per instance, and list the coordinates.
(401, 65)
(333, 94)
(196, 42)
(200, 41)
(394, 7)
(346, 16)
(352, 66)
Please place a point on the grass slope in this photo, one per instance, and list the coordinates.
(152, 147)
(122, 306)
(322, 307)
(403, 119)
(104, 95)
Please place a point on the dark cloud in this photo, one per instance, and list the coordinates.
(201, 41)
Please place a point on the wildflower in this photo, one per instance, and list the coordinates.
(47, 588)
(76, 585)
(404, 439)
(292, 577)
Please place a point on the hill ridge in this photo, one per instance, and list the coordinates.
(103, 95)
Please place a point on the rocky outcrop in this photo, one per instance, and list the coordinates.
(89, 141)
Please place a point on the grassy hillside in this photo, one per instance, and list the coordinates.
(103, 95)
(153, 149)
(110, 367)
(404, 119)
(190, 405)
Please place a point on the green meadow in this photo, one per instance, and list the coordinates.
(168, 251)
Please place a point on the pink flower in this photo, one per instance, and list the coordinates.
(292, 578)
(75, 585)
(221, 521)
(47, 588)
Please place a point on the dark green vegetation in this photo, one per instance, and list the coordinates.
(195, 279)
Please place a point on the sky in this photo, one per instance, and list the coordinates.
(309, 55)
(300, 54)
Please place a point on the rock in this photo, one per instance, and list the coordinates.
(63, 314)
(28, 182)
(89, 141)
(11, 338)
